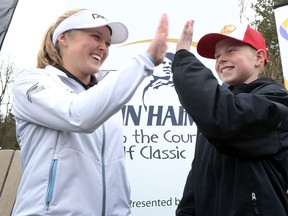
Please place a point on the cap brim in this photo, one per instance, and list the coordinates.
(206, 45)
(119, 32)
(83, 20)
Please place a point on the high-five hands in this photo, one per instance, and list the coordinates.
(185, 40)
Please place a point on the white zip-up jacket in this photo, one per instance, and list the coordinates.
(71, 141)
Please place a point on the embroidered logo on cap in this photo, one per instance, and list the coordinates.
(227, 29)
(96, 16)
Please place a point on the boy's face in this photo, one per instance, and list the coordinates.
(236, 62)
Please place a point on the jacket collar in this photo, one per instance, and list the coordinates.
(248, 88)
(93, 80)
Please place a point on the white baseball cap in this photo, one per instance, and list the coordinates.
(87, 19)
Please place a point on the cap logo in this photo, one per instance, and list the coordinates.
(96, 16)
(227, 29)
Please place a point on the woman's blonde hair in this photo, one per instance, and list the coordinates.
(48, 53)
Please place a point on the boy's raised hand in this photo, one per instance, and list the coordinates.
(185, 40)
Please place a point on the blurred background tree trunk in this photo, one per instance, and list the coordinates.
(7, 122)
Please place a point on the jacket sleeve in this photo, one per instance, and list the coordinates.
(225, 119)
(39, 99)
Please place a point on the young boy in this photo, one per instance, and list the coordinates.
(240, 165)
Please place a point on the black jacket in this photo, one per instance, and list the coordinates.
(240, 167)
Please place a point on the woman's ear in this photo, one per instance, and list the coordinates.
(261, 56)
(62, 39)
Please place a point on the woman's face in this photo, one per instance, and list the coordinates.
(236, 62)
(84, 51)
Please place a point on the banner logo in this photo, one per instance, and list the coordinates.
(283, 29)
(161, 79)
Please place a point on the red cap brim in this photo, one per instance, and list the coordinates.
(206, 45)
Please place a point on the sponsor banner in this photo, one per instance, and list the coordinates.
(281, 18)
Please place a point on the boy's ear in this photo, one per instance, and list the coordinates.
(261, 56)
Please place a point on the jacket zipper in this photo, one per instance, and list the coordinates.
(51, 183)
(254, 200)
(103, 172)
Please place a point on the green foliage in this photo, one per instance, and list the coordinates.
(7, 132)
(265, 23)
(7, 122)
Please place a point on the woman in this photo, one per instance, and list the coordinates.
(68, 124)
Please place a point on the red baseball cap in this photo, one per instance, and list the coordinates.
(242, 33)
